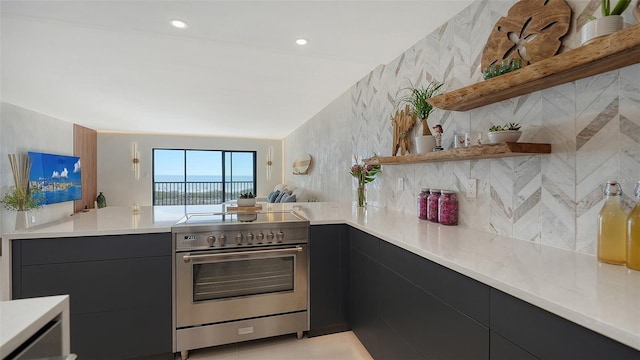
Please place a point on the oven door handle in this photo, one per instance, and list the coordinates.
(196, 258)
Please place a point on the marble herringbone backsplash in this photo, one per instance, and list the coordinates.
(593, 125)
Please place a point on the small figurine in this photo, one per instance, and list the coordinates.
(438, 135)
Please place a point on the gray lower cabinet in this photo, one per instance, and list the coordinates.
(364, 291)
(328, 279)
(547, 336)
(119, 287)
(503, 349)
(397, 317)
(403, 306)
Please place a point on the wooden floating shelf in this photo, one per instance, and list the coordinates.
(603, 54)
(486, 151)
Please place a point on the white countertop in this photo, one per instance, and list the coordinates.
(21, 319)
(601, 297)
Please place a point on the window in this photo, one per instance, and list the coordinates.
(201, 177)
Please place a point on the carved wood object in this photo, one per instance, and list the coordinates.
(531, 31)
(403, 121)
(603, 54)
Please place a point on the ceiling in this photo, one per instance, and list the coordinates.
(236, 71)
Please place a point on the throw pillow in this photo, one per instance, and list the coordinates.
(273, 196)
(279, 197)
(288, 199)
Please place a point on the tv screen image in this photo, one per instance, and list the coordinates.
(57, 176)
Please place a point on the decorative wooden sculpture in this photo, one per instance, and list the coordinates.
(403, 121)
(531, 31)
(301, 165)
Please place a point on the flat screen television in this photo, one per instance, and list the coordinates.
(57, 176)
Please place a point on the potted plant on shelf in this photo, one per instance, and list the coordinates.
(610, 22)
(509, 132)
(418, 99)
(247, 199)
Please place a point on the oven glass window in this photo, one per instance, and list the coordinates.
(229, 279)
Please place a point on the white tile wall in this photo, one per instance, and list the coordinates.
(593, 125)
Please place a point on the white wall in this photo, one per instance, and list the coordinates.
(116, 179)
(327, 138)
(23, 130)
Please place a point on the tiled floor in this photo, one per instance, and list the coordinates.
(341, 346)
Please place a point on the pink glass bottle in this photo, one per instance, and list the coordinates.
(422, 203)
(432, 205)
(448, 208)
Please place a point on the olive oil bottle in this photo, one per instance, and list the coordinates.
(633, 234)
(612, 227)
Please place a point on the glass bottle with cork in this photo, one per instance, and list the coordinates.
(612, 225)
(633, 233)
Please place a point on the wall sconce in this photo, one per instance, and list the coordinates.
(269, 161)
(135, 162)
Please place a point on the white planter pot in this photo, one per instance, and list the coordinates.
(425, 144)
(22, 220)
(504, 136)
(601, 27)
(247, 202)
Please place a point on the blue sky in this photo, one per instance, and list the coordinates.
(52, 167)
(200, 163)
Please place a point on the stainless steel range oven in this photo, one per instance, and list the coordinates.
(238, 277)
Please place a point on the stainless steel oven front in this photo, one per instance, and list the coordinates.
(238, 281)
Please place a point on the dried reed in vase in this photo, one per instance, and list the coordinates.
(20, 167)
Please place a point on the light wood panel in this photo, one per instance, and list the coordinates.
(486, 151)
(85, 145)
(603, 54)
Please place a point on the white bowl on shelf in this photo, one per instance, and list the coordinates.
(504, 136)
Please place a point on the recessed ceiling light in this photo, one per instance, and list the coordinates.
(301, 41)
(179, 24)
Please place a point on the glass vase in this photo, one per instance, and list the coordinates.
(362, 195)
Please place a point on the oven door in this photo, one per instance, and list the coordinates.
(212, 287)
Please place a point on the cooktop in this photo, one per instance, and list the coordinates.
(237, 218)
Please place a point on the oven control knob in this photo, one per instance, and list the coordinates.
(279, 236)
(211, 240)
(270, 236)
(250, 238)
(260, 237)
(239, 239)
(223, 239)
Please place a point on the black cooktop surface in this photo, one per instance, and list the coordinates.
(237, 218)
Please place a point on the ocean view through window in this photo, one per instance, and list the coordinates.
(201, 177)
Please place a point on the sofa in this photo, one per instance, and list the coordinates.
(283, 193)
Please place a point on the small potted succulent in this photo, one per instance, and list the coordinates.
(509, 132)
(246, 199)
(610, 22)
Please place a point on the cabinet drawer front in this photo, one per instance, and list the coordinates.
(367, 244)
(503, 349)
(432, 327)
(102, 285)
(463, 293)
(123, 334)
(92, 248)
(328, 279)
(363, 299)
(548, 336)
